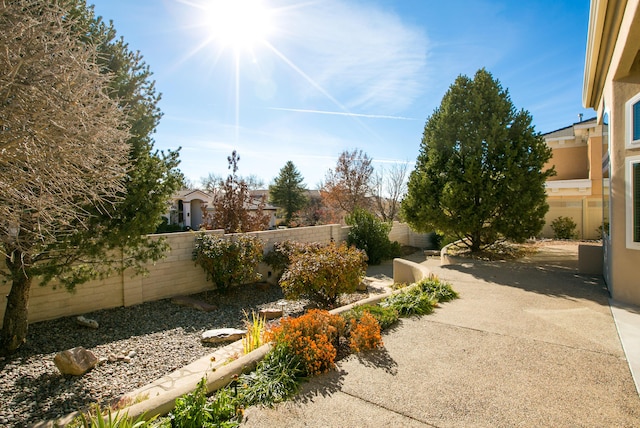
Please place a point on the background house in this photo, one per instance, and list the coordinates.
(187, 208)
(576, 189)
(612, 88)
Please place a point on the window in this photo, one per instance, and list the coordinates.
(636, 201)
(635, 120)
(633, 202)
(606, 164)
(632, 108)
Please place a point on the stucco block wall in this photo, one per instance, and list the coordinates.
(402, 233)
(172, 276)
(623, 262)
(586, 213)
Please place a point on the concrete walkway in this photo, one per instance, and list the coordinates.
(529, 343)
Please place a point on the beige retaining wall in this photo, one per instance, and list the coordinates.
(586, 213)
(172, 276)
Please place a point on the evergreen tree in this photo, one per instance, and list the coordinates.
(154, 175)
(96, 186)
(478, 176)
(288, 192)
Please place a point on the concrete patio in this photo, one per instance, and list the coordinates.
(529, 343)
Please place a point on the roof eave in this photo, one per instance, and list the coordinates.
(597, 15)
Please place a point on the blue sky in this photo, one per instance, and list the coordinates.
(324, 76)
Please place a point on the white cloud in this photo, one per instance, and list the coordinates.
(374, 60)
(339, 113)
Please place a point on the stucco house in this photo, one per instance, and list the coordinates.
(187, 208)
(612, 88)
(576, 189)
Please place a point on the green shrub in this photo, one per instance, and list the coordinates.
(395, 250)
(195, 411)
(321, 274)
(165, 227)
(564, 228)
(369, 234)
(602, 229)
(228, 262)
(386, 316)
(435, 240)
(191, 409)
(276, 378)
(224, 409)
(438, 290)
(279, 258)
(412, 301)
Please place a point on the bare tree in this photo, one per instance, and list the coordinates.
(348, 185)
(254, 182)
(389, 186)
(212, 183)
(62, 144)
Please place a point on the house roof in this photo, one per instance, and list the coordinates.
(612, 46)
(568, 131)
(191, 194)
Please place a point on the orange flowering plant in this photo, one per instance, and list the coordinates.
(364, 333)
(311, 337)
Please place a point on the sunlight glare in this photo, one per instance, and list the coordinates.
(239, 24)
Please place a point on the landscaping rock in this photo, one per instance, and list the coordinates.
(270, 314)
(222, 335)
(193, 303)
(76, 361)
(87, 322)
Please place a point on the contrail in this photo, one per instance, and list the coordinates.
(340, 113)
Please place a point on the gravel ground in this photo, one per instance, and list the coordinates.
(161, 337)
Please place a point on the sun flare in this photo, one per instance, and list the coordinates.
(238, 24)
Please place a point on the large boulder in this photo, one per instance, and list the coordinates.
(222, 335)
(76, 361)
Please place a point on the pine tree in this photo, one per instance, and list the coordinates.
(288, 192)
(478, 176)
